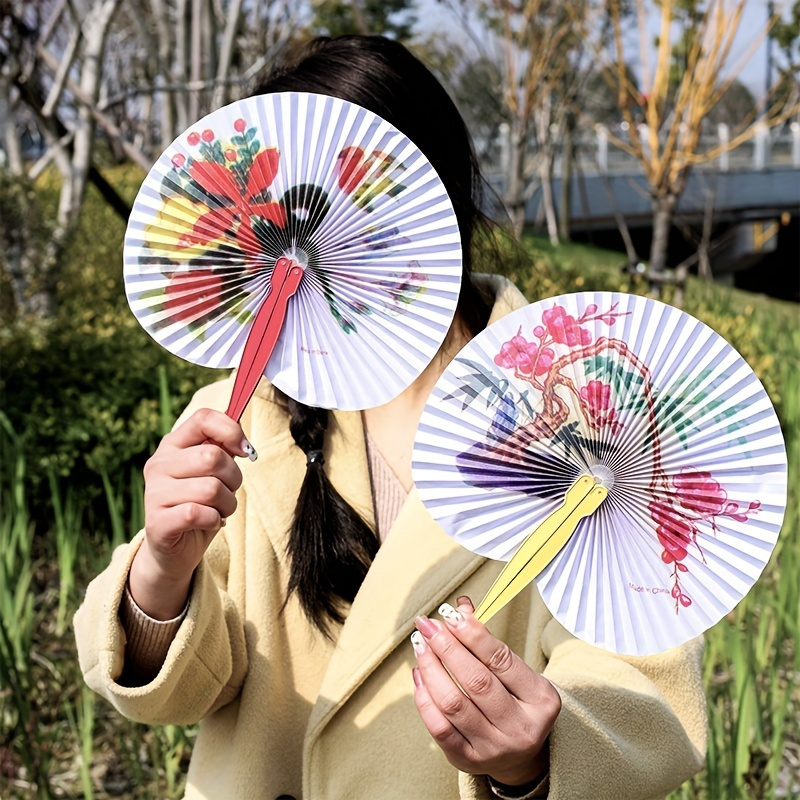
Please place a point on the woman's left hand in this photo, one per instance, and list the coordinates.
(500, 726)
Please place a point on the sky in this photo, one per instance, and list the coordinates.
(434, 17)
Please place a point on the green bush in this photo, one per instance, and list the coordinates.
(83, 389)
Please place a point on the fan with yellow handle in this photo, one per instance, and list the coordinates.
(583, 498)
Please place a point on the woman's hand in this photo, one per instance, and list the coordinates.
(500, 726)
(190, 487)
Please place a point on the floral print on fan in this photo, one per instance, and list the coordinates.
(220, 222)
(550, 359)
(366, 176)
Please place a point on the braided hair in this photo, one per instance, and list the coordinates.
(330, 545)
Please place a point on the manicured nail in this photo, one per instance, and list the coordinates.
(418, 643)
(249, 450)
(463, 600)
(425, 625)
(417, 678)
(223, 522)
(451, 616)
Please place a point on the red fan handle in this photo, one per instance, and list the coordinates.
(264, 333)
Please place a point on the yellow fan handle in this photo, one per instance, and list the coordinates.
(543, 545)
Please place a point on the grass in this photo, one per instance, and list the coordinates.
(58, 740)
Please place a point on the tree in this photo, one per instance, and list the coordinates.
(26, 38)
(140, 71)
(677, 98)
(538, 46)
(393, 18)
(786, 32)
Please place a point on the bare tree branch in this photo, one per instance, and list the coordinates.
(102, 119)
(63, 70)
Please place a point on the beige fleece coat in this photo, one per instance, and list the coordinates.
(285, 712)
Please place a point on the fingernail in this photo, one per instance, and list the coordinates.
(417, 678)
(450, 615)
(463, 600)
(223, 522)
(249, 450)
(418, 643)
(425, 625)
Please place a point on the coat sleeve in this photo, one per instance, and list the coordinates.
(632, 728)
(206, 663)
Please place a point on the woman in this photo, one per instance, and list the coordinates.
(273, 599)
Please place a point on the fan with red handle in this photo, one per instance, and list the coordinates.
(299, 237)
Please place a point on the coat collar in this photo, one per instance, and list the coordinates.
(417, 566)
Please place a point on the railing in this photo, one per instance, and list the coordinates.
(596, 153)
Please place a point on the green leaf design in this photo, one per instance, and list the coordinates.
(609, 370)
(197, 328)
(475, 384)
(673, 409)
(244, 317)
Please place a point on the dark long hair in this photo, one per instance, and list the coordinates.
(330, 546)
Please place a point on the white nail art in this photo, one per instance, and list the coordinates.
(450, 615)
(249, 450)
(418, 642)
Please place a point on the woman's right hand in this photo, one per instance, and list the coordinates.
(190, 487)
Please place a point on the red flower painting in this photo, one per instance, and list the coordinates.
(225, 193)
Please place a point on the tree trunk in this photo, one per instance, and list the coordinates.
(663, 211)
(164, 72)
(75, 170)
(704, 250)
(8, 128)
(95, 28)
(548, 200)
(181, 73)
(359, 18)
(564, 221)
(622, 226)
(196, 61)
(209, 39)
(515, 175)
(226, 53)
(545, 143)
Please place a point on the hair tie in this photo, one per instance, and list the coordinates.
(314, 457)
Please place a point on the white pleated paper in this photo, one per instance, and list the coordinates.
(655, 404)
(329, 184)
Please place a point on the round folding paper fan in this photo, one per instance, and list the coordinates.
(652, 405)
(313, 225)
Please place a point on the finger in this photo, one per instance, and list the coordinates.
(446, 735)
(206, 424)
(182, 518)
(515, 675)
(206, 491)
(205, 460)
(485, 690)
(457, 707)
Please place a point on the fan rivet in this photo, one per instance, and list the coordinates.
(603, 474)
